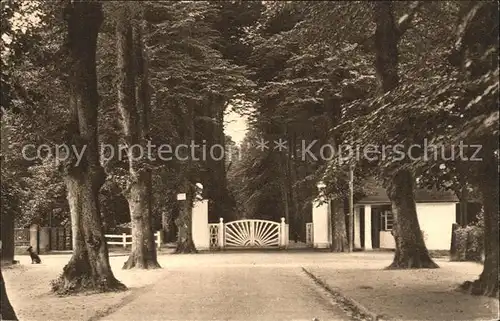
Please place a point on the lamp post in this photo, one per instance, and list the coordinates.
(351, 208)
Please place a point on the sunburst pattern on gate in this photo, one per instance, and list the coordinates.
(252, 233)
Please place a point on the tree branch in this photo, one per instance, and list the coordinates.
(404, 22)
(463, 27)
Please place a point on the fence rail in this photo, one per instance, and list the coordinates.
(22, 236)
(124, 239)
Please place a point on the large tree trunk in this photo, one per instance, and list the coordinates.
(411, 252)
(481, 18)
(386, 46)
(487, 284)
(221, 203)
(184, 222)
(7, 237)
(284, 199)
(88, 268)
(410, 247)
(133, 104)
(339, 231)
(464, 202)
(143, 254)
(298, 218)
(463, 195)
(488, 280)
(169, 215)
(6, 310)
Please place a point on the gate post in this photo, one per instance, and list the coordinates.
(220, 235)
(199, 225)
(35, 238)
(44, 239)
(321, 220)
(283, 233)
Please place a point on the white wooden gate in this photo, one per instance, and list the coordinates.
(248, 233)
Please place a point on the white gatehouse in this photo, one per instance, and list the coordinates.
(248, 233)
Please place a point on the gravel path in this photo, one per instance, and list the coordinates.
(232, 293)
(249, 285)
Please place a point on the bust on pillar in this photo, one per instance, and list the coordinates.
(200, 229)
(321, 220)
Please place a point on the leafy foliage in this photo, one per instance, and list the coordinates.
(303, 72)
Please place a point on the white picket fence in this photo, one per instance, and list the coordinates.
(124, 239)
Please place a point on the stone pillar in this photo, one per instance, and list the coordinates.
(287, 238)
(220, 232)
(283, 234)
(44, 237)
(368, 227)
(321, 225)
(159, 240)
(357, 228)
(34, 238)
(200, 229)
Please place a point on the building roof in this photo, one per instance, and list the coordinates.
(378, 196)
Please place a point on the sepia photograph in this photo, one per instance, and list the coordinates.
(249, 160)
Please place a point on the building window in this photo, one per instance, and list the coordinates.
(386, 220)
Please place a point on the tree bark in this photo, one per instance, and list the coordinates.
(410, 247)
(482, 18)
(215, 186)
(463, 198)
(284, 197)
(185, 242)
(411, 251)
(454, 255)
(88, 268)
(386, 46)
(488, 280)
(184, 222)
(7, 237)
(298, 219)
(487, 284)
(143, 254)
(133, 103)
(339, 231)
(169, 215)
(6, 312)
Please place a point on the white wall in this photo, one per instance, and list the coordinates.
(357, 228)
(321, 225)
(368, 227)
(435, 220)
(200, 228)
(387, 240)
